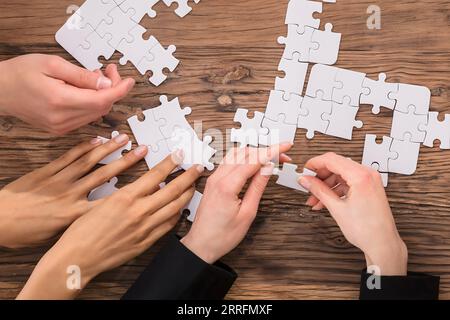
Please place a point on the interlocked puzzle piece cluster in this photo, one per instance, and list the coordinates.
(332, 100)
(100, 27)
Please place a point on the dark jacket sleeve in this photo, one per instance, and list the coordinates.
(414, 286)
(178, 274)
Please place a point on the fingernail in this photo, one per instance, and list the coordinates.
(317, 207)
(96, 141)
(267, 170)
(305, 183)
(286, 156)
(140, 151)
(178, 156)
(122, 138)
(200, 168)
(309, 202)
(103, 83)
(286, 144)
(130, 83)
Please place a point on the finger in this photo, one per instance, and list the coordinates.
(84, 164)
(69, 157)
(107, 172)
(349, 170)
(79, 77)
(332, 181)
(341, 191)
(320, 190)
(170, 210)
(254, 193)
(112, 73)
(152, 179)
(256, 158)
(97, 102)
(173, 190)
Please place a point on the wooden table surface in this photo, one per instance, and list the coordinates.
(229, 58)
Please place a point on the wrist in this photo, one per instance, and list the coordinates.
(200, 249)
(57, 276)
(391, 258)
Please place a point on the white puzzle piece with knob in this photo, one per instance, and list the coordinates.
(322, 79)
(159, 60)
(313, 121)
(193, 206)
(279, 131)
(116, 155)
(328, 42)
(376, 93)
(407, 157)
(173, 116)
(296, 42)
(251, 128)
(412, 95)
(289, 177)
(349, 84)
(436, 130)
(379, 154)
(139, 8)
(278, 106)
(104, 190)
(406, 126)
(295, 76)
(342, 120)
(183, 8)
(301, 13)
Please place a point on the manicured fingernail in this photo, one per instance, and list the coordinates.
(286, 156)
(200, 168)
(305, 183)
(317, 207)
(267, 170)
(178, 156)
(309, 202)
(122, 138)
(96, 141)
(103, 83)
(140, 151)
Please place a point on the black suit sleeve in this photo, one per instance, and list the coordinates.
(414, 286)
(178, 274)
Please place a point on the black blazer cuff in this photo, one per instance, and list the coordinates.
(414, 286)
(176, 273)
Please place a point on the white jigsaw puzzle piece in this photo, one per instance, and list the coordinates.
(378, 153)
(193, 206)
(289, 177)
(94, 12)
(322, 79)
(140, 8)
(183, 7)
(436, 130)
(104, 190)
(295, 76)
(196, 151)
(313, 121)
(71, 37)
(250, 129)
(342, 120)
(119, 28)
(301, 13)
(384, 175)
(407, 157)
(350, 84)
(116, 155)
(376, 93)
(329, 43)
(406, 126)
(291, 108)
(279, 131)
(158, 60)
(96, 47)
(137, 49)
(173, 115)
(412, 95)
(300, 43)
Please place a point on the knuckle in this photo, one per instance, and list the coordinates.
(331, 155)
(53, 62)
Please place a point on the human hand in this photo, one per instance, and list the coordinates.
(356, 199)
(223, 219)
(55, 95)
(114, 231)
(39, 205)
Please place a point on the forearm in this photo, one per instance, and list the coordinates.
(55, 278)
(3, 88)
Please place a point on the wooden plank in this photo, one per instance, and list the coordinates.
(229, 52)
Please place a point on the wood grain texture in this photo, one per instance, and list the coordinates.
(229, 59)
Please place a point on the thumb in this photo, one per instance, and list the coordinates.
(321, 191)
(79, 77)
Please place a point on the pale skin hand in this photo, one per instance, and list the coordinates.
(114, 231)
(55, 95)
(356, 199)
(223, 219)
(39, 205)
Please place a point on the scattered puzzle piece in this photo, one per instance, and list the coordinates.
(183, 6)
(436, 130)
(193, 206)
(116, 155)
(289, 177)
(376, 93)
(250, 129)
(173, 116)
(378, 153)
